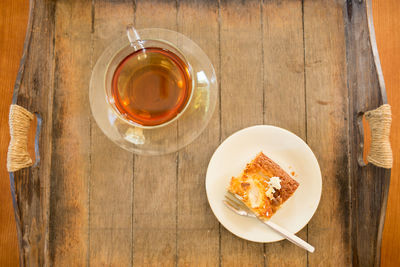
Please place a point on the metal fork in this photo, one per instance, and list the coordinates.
(236, 205)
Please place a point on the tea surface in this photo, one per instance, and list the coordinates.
(151, 86)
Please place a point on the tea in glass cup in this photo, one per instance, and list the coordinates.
(153, 92)
(151, 86)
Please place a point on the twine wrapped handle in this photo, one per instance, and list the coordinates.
(380, 120)
(19, 120)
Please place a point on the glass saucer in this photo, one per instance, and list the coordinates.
(168, 137)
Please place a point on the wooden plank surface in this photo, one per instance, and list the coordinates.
(111, 174)
(195, 218)
(241, 100)
(283, 50)
(175, 221)
(70, 170)
(369, 193)
(327, 130)
(13, 21)
(31, 186)
(155, 178)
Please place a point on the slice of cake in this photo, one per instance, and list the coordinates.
(263, 186)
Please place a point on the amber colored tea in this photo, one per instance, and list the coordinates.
(151, 86)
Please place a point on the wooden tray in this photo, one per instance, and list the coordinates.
(306, 66)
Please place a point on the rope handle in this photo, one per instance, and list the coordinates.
(380, 120)
(19, 120)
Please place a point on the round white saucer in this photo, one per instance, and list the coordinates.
(286, 149)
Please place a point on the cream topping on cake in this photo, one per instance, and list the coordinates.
(274, 183)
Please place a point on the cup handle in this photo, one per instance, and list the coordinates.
(134, 37)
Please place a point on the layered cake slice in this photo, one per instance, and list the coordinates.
(263, 186)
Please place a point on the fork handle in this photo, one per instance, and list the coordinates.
(290, 236)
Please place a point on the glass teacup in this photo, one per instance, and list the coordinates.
(153, 92)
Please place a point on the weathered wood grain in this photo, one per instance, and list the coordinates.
(195, 218)
(111, 174)
(70, 168)
(284, 94)
(369, 184)
(241, 100)
(30, 188)
(155, 178)
(98, 215)
(327, 128)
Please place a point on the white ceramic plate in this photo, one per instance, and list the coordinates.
(286, 149)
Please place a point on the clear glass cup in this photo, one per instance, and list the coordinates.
(169, 136)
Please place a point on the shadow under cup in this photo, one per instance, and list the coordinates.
(149, 85)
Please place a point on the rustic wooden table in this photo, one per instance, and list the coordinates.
(192, 224)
